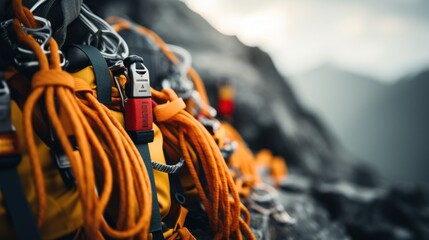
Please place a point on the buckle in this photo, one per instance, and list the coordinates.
(138, 85)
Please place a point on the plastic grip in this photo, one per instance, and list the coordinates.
(138, 114)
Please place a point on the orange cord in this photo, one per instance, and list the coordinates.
(220, 197)
(243, 160)
(219, 180)
(84, 114)
(279, 170)
(275, 165)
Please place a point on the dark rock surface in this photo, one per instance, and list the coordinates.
(341, 210)
(329, 193)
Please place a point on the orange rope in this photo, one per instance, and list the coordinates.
(179, 127)
(84, 114)
(243, 160)
(220, 197)
(279, 170)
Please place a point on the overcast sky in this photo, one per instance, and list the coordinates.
(386, 39)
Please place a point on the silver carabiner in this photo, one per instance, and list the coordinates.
(119, 68)
(102, 36)
(24, 56)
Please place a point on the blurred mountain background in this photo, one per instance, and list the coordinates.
(384, 124)
(353, 63)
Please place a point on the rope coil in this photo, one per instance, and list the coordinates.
(220, 197)
(104, 148)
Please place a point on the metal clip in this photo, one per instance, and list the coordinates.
(117, 69)
(138, 85)
(178, 79)
(182, 86)
(138, 107)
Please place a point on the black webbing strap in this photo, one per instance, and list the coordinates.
(13, 194)
(16, 203)
(101, 72)
(141, 139)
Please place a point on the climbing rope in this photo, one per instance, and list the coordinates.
(73, 111)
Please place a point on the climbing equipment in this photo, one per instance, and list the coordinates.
(95, 133)
(74, 112)
(138, 123)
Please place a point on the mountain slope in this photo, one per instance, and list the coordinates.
(398, 131)
(384, 124)
(337, 95)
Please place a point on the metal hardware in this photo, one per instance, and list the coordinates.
(102, 36)
(138, 78)
(117, 69)
(24, 56)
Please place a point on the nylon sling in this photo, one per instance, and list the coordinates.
(141, 139)
(101, 70)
